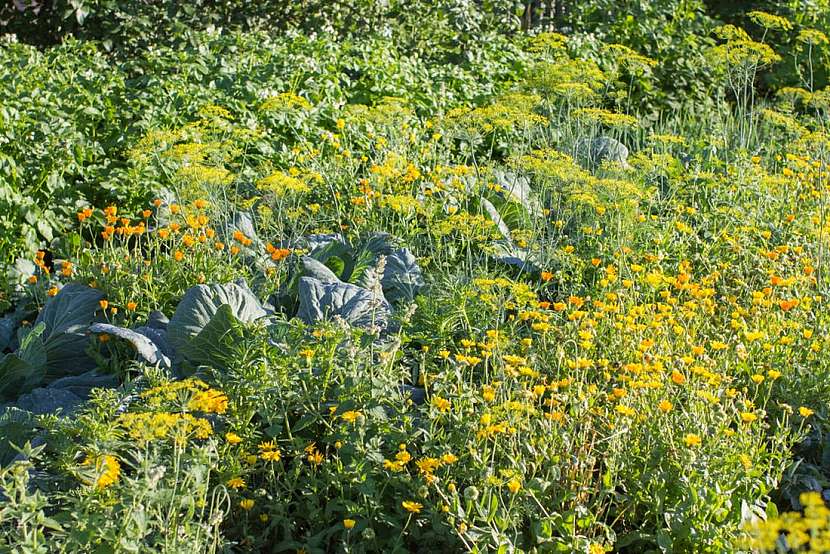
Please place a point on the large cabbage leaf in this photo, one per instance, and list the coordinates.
(16, 427)
(149, 347)
(199, 317)
(213, 345)
(23, 370)
(402, 278)
(65, 394)
(67, 317)
(356, 305)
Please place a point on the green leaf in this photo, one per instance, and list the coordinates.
(358, 306)
(201, 306)
(214, 344)
(25, 369)
(67, 317)
(145, 347)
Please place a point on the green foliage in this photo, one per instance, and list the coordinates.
(598, 326)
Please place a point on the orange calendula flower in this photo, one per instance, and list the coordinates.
(677, 378)
(441, 404)
(787, 305)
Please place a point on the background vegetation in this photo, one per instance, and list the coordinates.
(389, 276)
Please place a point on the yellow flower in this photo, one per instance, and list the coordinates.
(209, 401)
(349, 523)
(246, 503)
(625, 410)
(449, 458)
(596, 548)
(665, 406)
(233, 438)
(412, 506)
(269, 452)
(236, 483)
(350, 416)
(748, 417)
(514, 485)
(442, 404)
(108, 469)
(692, 440)
(805, 411)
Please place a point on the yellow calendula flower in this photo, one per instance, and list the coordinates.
(411, 506)
(233, 438)
(236, 483)
(351, 416)
(349, 523)
(441, 404)
(692, 440)
(269, 451)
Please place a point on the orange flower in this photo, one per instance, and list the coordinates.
(280, 254)
(547, 276)
(787, 305)
(677, 378)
